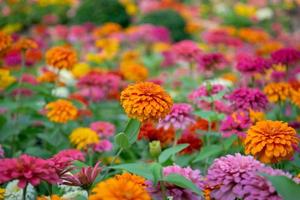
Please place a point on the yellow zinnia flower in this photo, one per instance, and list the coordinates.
(121, 187)
(278, 92)
(245, 10)
(61, 111)
(271, 141)
(146, 101)
(5, 78)
(109, 47)
(83, 137)
(80, 69)
(2, 192)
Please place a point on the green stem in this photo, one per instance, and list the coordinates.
(24, 192)
(112, 162)
(175, 143)
(22, 70)
(163, 190)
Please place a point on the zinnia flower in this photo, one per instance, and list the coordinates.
(237, 177)
(194, 141)
(212, 61)
(61, 111)
(2, 192)
(5, 78)
(103, 129)
(134, 71)
(250, 64)
(25, 44)
(125, 187)
(278, 92)
(173, 191)
(27, 169)
(61, 57)
(83, 137)
(271, 141)
(186, 50)
(248, 98)
(286, 56)
(5, 42)
(180, 117)
(146, 101)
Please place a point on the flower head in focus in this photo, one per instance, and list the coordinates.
(83, 137)
(271, 141)
(120, 187)
(61, 111)
(61, 57)
(146, 101)
(278, 92)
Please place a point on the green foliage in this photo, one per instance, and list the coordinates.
(122, 140)
(166, 154)
(233, 19)
(169, 19)
(132, 130)
(101, 11)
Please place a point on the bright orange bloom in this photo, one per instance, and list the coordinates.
(5, 42)
(278, 92)
(53, 197)
(268, 47)
(61, 111)
(271, 141)
(120, 187)
(47, 77)
(253, 35)
(256, 116)
(26, 44)
(134, 71)
(61, 57)
(295, 98)
(132, 177)
(146, 101)
(107, 29)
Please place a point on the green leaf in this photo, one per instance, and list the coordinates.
(287, 188)
(2, 121)
(132, 130)
(229, 141)
(80, 197)
(37, 151)
(167, 153)
(208, 151)
(79, 164)
(183, 182)
(157, 172)
(140, 169)
(121, 139)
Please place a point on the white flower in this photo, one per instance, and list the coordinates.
(66, 77)
(75, 194)
(13, 192)
(219, 81)
(264, 13)
(61, 92)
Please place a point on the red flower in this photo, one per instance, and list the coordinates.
(193, 140)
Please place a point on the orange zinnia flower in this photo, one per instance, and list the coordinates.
(61, 111)
(61, 57)
(295, 96)
(146, 101)
(26, 44)
(134, 71)
(120, 187)
(5, 42)
(271, 141)
(278, 92)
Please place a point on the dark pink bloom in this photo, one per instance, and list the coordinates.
(13, 58)
(286, 56)
(84, 178)
(248, 98)
(235, 124)
(27, 169)
(211, 61)
(250, 64)
(218, 37)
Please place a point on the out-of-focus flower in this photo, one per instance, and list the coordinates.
(256, 116)
(267, 47)
(107, 29)
(103, 145)
(211, 61)
(5, 78)
(264, 13)
(61, 92)
(103, 129)
(125, 186)
(237, 176)
(61, 111)
(271, 141)
(180, 117)
(278, 92)
(221, 37)
(109, 47)
(173, 191)
(186, 50)
(194, 141)
(249, 64)
(149, 132)
(5, 42)
(235, 124)
(286, 56)
(61, 57)
(84, 178)
(248, 98)
(13, 191)
(52, 197)
(245, 10)
(276, 73)
(83, 137)
(146, 101)
(47, 76)
(63, 160)
(25, 44)
(202, 125)
(134, 71)
(253, 36)
(27, 169)
(2, 191)
(80, 69)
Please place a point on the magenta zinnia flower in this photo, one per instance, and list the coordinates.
(186, 50)
(27, 169)
(286, 56)
(238, 177)
(103, 146)
(180, 117)
(104, 129)
(211, 61)
(248, 98)
(250, 64)
(176, 192)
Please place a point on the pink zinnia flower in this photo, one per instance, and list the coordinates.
(217, 37)
(286, 56)
(180, 117)
(27, 169)
(237, 177)
(176, 192)
(103, 146)
(211, 61)
(250, 64)
(186, 50)
(248, 98)
(1, 152)
(235, 124)
(104, 129)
